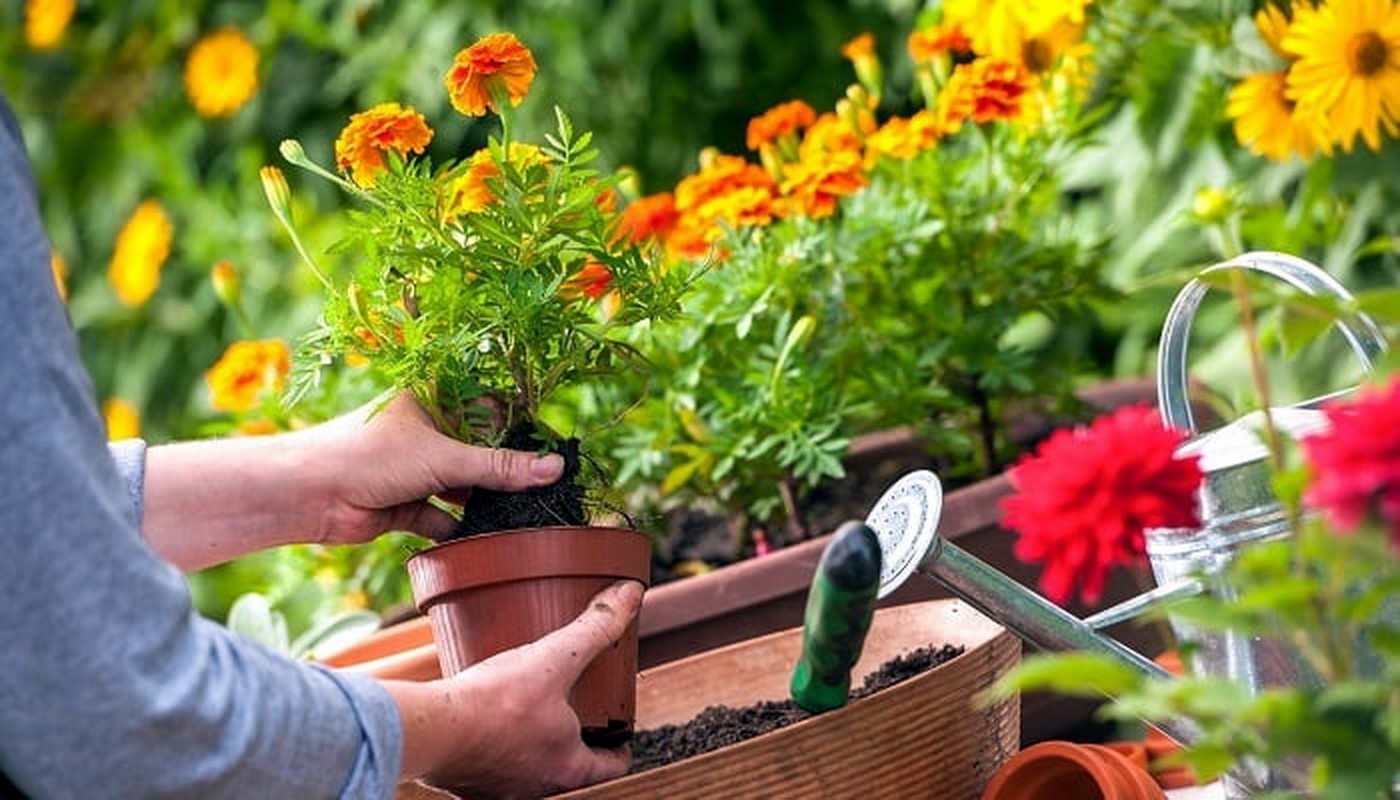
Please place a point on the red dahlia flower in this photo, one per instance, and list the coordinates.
(1086, 495)
(1356, 465)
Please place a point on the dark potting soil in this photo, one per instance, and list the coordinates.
(718, 725)
(559, 503)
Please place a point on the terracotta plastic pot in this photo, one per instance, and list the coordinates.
(1058, 769)
(489, 593)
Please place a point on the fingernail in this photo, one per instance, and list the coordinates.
(547, 467)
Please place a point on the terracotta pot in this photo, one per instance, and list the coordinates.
(923, 738)
(489, 593)
(1057, 769)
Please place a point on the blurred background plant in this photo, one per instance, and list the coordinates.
(148, 122)
(892, 261)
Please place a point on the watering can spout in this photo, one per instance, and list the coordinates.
(906, 519)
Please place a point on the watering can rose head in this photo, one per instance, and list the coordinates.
(485, 282)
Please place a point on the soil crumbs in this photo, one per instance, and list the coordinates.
(719, 726)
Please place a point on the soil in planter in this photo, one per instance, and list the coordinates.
(559, 503)
(719, 726)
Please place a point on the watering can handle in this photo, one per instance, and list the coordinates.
(1360, 330)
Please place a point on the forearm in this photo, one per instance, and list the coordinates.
(422, 708)
(210, 501)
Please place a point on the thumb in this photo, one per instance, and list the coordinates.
(497, 468)
(599, 627)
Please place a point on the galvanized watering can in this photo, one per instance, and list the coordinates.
(1238, 508)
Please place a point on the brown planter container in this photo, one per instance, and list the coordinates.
(490, 593)
(1069, 770)
(923, 738)
(761, 595)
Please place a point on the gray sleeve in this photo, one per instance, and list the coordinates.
(111, 685)
(130, 457)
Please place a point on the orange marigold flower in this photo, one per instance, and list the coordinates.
(360, 148)
(815, 185)
(221, 73)
(860, 46)
(245, 371)
(496, 66)
(122, 418)
(45, 22)
(650, 218)
(592, 281)
(985, 90)
(727, 191)
(784, 119)
(143, 244)
(946, 38)
(469, 191)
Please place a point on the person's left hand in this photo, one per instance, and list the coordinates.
(387, 464)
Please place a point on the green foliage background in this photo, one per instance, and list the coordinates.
(108, 125)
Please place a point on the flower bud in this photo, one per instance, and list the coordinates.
(279, 195)
(227, 287)
(1212, 205)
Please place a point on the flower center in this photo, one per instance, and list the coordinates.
(1368, 53)
(1038, 55)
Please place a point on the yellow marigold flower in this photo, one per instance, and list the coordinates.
(905, 137)
(1348, 67)
(814, 186)
(221, 73)
(123, 420)
(245, 371)
(497, 67)
(142, 247)
(832, 133)
(360, 148)
(45, 22)
(1267, 122)
(782, 120)
(60, 274)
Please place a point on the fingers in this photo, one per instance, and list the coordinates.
(599, 627)
(604, 765)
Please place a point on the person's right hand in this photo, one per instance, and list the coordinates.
(503, 728)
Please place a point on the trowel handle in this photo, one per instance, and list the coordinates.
(840, 606)
(1360, 330)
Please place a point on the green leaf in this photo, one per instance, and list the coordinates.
(253, 617)
(334, 630)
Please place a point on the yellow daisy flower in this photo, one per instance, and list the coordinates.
(1348, 67)
(142, 247)
(45, 21)
(221, 73)
(123, 420)
(1266, 121)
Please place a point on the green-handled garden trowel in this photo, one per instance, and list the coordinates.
(840, 605)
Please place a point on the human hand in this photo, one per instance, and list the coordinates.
(388, 463)
(503, 728)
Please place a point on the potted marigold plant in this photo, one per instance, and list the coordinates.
(485, 285)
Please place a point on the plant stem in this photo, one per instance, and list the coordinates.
(797, 520)
(986, 428)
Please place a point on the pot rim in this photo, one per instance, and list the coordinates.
(526, 554)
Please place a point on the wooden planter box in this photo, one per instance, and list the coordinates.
(922, 738)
